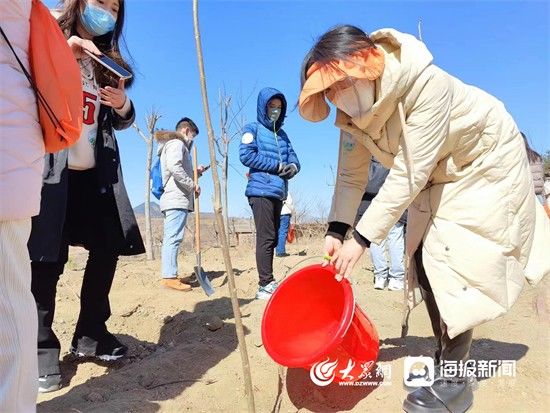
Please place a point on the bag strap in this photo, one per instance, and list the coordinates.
(160, 167)
(39, 96)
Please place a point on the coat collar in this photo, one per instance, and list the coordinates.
(164, 136)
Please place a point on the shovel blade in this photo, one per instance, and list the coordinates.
(203, 279)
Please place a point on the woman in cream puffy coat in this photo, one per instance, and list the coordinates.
(457, 161)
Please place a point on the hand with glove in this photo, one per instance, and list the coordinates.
(288, 171)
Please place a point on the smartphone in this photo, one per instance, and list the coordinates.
(110, 64)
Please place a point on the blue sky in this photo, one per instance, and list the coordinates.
(500, 46)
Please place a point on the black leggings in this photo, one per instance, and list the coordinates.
(421, 273)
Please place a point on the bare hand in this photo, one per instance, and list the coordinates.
(332, 245)
(346, 257)
(198, 190)
(201, 169)
(113, 97)
(78, 45)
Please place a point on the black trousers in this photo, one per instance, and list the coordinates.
(267, 214)
(95, 309)
(455, 349)
(88, 218)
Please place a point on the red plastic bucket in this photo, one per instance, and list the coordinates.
(312, 321)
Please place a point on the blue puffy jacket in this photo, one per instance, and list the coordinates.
(266, 149)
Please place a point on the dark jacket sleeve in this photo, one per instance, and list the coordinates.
(120, 123)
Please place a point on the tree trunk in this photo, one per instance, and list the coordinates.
(225, 183)
(219, 219)
(148, 228)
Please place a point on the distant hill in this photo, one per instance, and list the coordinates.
(156, 213)
(155, 210)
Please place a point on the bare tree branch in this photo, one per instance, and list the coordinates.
(136, 127)
(333, 177)
(240, 107)
(151, 121)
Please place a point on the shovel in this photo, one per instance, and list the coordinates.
(201, 276)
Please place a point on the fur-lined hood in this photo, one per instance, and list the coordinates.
(163, 136)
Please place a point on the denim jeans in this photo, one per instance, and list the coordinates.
(283, 232)
(395, 244)
(174, 225)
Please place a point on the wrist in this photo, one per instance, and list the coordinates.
(361, 240)
(123, 104)
(124, 110)
(337, 230)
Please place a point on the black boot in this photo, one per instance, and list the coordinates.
(445, 395)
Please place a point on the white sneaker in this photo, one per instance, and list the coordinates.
(265, 292)
(395, 285)
(379, 283)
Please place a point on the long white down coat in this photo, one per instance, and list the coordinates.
(458, 161)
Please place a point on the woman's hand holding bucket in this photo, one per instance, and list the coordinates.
(343, 257)
(332, 244)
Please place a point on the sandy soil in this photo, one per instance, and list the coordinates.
(177, 364)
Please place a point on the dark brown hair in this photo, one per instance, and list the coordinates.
(337, 44)
(108, 44)
(183, 122)
(532, 155)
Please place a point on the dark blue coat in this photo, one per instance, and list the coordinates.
(377, 177)
(266, 149)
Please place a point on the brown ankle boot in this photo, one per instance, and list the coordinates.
(175, 284)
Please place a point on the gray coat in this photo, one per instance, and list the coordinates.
(177, 171)
(537, 170)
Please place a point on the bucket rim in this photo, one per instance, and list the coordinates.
(345, 322)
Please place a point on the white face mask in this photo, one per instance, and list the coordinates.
(356, 99)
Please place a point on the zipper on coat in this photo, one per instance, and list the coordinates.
(277, 143)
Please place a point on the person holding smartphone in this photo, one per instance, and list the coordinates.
(177, 199)
(84, 201)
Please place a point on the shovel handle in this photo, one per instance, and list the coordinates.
(196, 206)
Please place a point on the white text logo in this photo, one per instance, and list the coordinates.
(322, 373)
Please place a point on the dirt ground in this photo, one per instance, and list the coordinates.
(177, 364)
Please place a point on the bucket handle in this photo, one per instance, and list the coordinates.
(317, 257)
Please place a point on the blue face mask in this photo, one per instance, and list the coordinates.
(97, 21)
